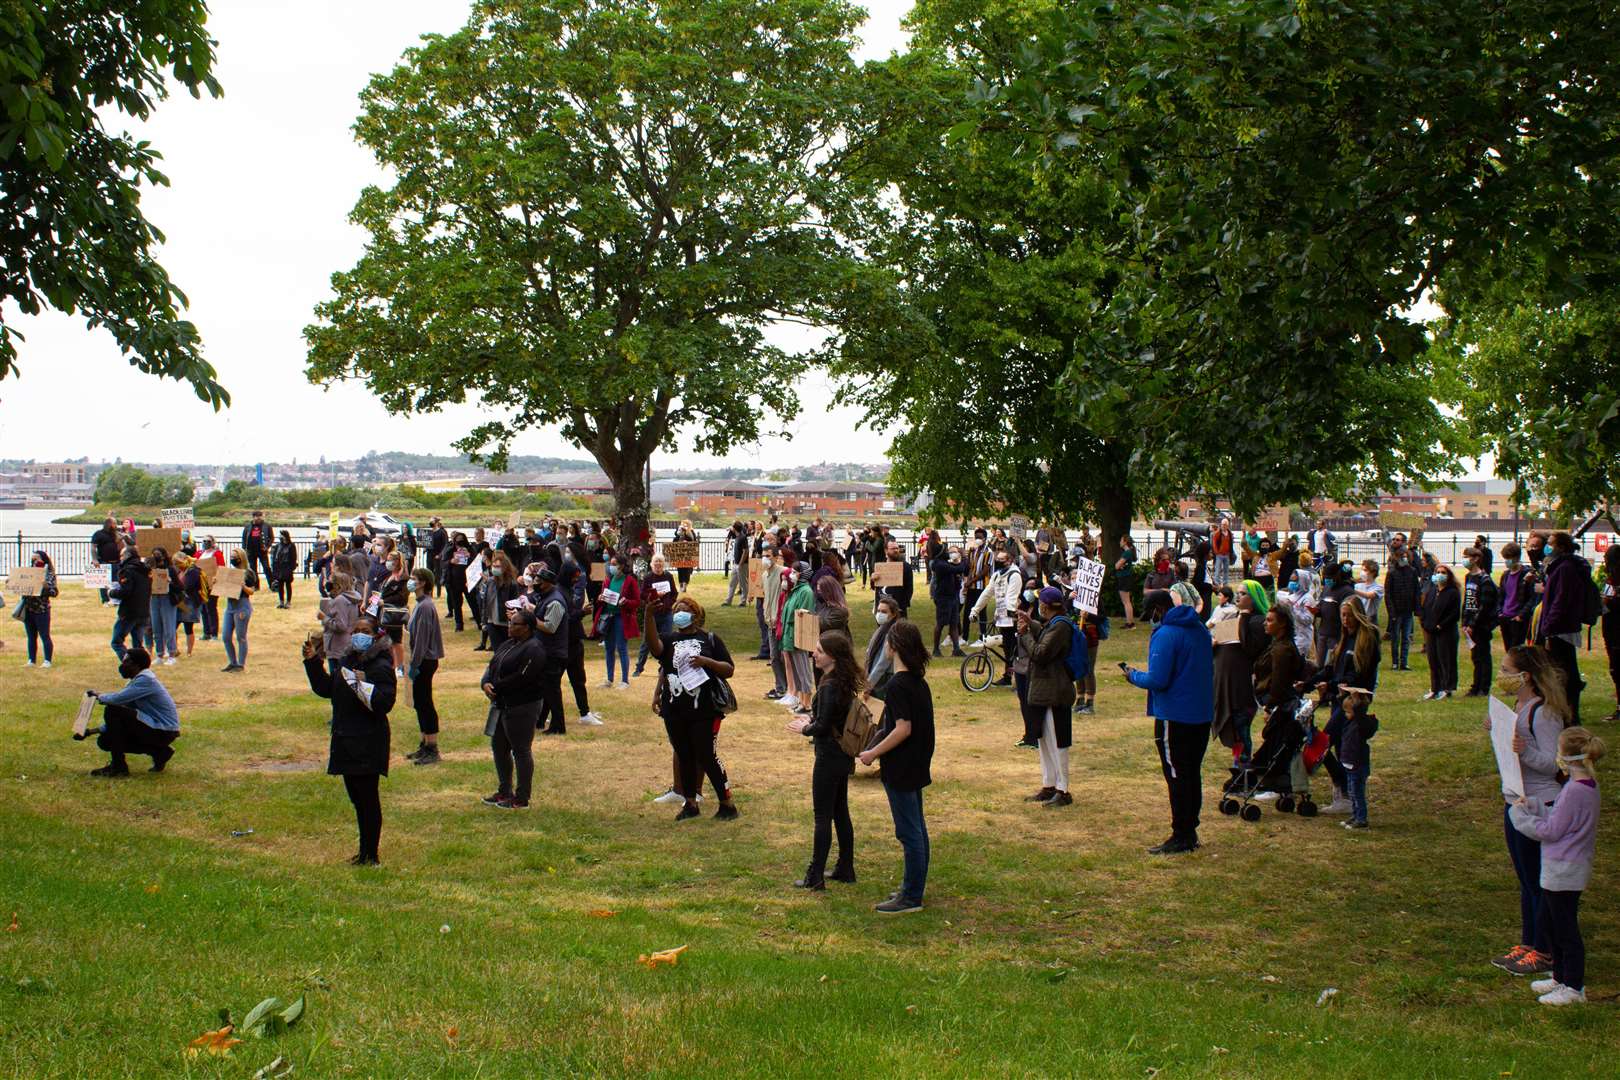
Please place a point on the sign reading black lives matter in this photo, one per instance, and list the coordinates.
(1088, 581)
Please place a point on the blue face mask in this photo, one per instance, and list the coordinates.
(1437, 578)
(682, 619)
(1293, 586)
(1029, 594)
(361, 642)
(1547, 549)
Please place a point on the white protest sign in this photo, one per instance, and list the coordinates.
(98, 577)
(475, 574)
(179, 517)
(1088, 582)
(1503, 721)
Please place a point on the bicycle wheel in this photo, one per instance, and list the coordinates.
(978, 671)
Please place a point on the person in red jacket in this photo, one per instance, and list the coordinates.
(616, 608)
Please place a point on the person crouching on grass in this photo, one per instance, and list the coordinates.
(692, 717)
(1046, 637)
(139, 719)
(360, 735)
(906, 748)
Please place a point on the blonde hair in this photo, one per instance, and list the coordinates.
(1575, 741)
(1545, 676)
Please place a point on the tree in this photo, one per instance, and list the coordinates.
(129, 485)
(71, 229)
(599, 208)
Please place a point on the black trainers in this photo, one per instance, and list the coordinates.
(897, 906)
(161, 758)
(495, 799)
(688, 812)
(1062, 798)
(428, 755)
(1042, 795)
(844, 874)
(727, 812)
(111, 770)
(414, 754)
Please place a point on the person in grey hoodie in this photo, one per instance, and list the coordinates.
(337, 615)
(1531, 678)
(427, 649)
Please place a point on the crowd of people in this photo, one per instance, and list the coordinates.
(1297, 625)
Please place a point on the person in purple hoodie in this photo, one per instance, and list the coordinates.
(1518, 598)
(1567, 576)
(1567, 832)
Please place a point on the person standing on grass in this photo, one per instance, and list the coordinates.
(1442, 610)
(139, 719)
(283, 568)
(766, 556)
(902, 592)
(337, 615)
(800, 597)
(1567, 833)
(1518, 593)
(1180, 681)
(37, 614)
(438, 539)
(395, 594)
(238, 612)
(841, 682)
(512, 683)
(692, 716)
(945, 585)
(1401, 593)
(659, 586)
(1006, 591)
(571, 580)
(133, 591)
(257, 538)
(1046, 636)
(616, 621)
(553, 629)
(427, 649)
(105, 550)
(457, 554)
(1568, 579)
(500, 585)
(165, 610)
(1125, 577)
(193, 587)
(906, 749)
(1353, 663)
(1611, 621)
(684, 535)
(360, 735)
(879, 660)
(1480, 609)
(1536, 687)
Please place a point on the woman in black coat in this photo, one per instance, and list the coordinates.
(360, 736)
(841, 681)
(1442, 609)
(283, 568)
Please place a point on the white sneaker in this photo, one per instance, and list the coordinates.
(1427, 697)
(1544, 986)
(47, 663)
(27, 662)
(169, 662)
(624, 686)
(605, 684)
(975, 644)
(399, 673)
(670, 798)
(1442, 695)
(790, 701)
(591, 719)
(1564, 995)
(1264, 796)
(1341, 805)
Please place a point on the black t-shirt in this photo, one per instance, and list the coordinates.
(683, 705)
(907, 697)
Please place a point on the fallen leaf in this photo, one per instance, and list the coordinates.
(911, 1008)
(152, 889)
(665, 956)
(218, 1043)
(14, 925)
(452, 1034)
(603, 913)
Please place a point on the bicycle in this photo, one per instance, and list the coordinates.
(979, 668)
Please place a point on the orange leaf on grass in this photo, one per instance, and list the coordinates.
(452, 1034)
(14, 925)
(217, 1043)
(603, 913)
(664, 956)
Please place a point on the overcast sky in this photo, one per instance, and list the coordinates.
(257, 221)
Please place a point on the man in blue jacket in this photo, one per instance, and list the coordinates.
(1180, 681)
(139, 719)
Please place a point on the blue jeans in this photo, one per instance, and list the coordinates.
(164, 618)
(1534, 929)
(613, 641)
(135, 629)
(665, 621)
(1355, 788)
(1400, 637)
(912, 831)
(237, 614)
(1223, 570)
(38, 625)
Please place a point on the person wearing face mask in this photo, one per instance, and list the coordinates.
(901, 592)
(1441, 612)
(165, 606)
(659, 587)
(455, 558)
(283, 568)
(1480, 608)
(139, 719)
(692, 714)
(1401, 594)
(37, 615)
(1518, 595)
(1369, 589)
(238, 613)
(879, 668)
(394, 610)
(499, 587)
(337, 615)
(1007, 591)
(1125, 578)
(1163, 574)
(362, 690)
(1047, 636)
(427, 649)
(796, 655)
(1535, 687)
(841, 682)
(1336, 589)
(1298, 598)
(132, 588)
(945, 586)
(1567, 580)
(512, 683)
(616, 608)
(257, 538)
(979, 562)
(553, 629)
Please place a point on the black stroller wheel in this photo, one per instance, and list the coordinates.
(1229, 806)
(1307, 808)
(1285, 804)
(1251, 812)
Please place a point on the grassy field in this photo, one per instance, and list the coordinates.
(499, 944)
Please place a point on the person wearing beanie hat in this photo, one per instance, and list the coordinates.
(1046, 638)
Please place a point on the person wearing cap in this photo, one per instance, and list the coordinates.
(1180, 681)
(552, 629)
(1047, 636)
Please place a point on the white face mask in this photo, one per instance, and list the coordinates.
(881, 617)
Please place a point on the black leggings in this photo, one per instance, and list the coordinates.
(1568, 949)
(695, 745)
(1563, 655)
(427, 714)
(829, 800)
(576, 668)
(284, 591)
(456, 592)
(551, 698)
(513, 747)
(367, 800)
(1442, 650)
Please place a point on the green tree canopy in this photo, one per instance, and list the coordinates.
(72, 234)
(130, 485)
(598, 210)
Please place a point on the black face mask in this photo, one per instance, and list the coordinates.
(127, 670)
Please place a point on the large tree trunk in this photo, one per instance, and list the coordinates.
(631, 504)
(1114, 512)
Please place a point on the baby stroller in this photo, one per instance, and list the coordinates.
(1291, 748)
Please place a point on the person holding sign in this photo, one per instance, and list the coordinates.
(795, 653)
(1047, 637)
(134, 594)
(1541, 710)
(616, 607)
(166, 596)
(691, 699)
(361, 687)
(659, 587)
(139, 719)
(238, 585)
(37, 613)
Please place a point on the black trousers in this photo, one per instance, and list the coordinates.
(1568, 949)
(1441, 648)
(970, 598)
(1181, 757)
(456, 594)
(513, 747)
(829, 802)
(257, 558)
(367, 799)
(123, 733)
(576, 669)
(1009, 647)
(694, 742)
(427, 713)
(1514, 633)
(1480, 654)
(551, 698)
(1563, 654)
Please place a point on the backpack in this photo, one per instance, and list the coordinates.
(1591, 598)
(859, 728)
(1078, 662)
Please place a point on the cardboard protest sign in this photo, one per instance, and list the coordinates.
(1088, 582)
(806, 630)
(885, 574)
(1225, 632)
(98, 577)
(756, 578)
(27, 580)
(81, 722)
(681, 554)
(598, 571)
(210, 570)
(1274, 563)
(229, 582)
(332, 526)
(179, 517)
(515, 519)
(1018, 527)
(160, 583)
(148, 539)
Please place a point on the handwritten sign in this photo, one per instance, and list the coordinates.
(332, 526)
(81, 722)
(756, 578)
(1088, 582)
(160, 582)
(1225, 632)
(681, 554)
(598, 571)
(149, 539)
(1019, 527)
(229, 583)
(886, 574)
(27, 580)
(179, 517)
(806, 630)
(98, 577)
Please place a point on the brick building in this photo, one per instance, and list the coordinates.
(725, 497)
(833, 499)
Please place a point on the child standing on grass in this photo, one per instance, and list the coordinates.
(1568, 837)
(1359, 728)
